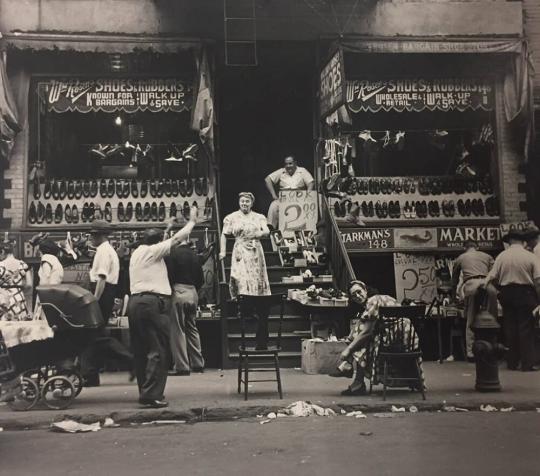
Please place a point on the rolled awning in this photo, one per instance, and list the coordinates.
(430, 45)
(89, 43)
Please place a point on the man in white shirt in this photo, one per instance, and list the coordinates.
(149, 308)
(103, 280)
(290, 177)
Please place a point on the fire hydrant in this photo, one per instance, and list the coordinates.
(487, 351)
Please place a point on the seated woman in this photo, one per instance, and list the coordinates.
(363, 338)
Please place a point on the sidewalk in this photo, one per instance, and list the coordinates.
(213, 396)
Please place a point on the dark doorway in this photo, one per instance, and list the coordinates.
(265, 114)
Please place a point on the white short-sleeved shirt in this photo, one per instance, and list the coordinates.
(299, 180)
(106, 263)
(147, 269)
(51, 271)
(515, 265)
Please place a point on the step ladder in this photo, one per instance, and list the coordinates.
(240, 33)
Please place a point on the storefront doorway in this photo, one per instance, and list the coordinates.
(266, 113)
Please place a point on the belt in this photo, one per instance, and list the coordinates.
(152, 294)
(480, 276)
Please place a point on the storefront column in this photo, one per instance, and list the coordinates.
(510, 173)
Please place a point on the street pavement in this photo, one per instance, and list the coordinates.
(404, 444)
(213, 396)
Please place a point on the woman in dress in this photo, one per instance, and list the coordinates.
(51, 271)
(363, 341)
(248, 266)
(15, 278)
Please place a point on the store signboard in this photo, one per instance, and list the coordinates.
(420, 94)
(116, 94)
(518, 225)
(298, 210)
(415, 277)
(332, 84)
(374, 239)
(427, 238)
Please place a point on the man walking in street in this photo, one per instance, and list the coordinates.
(474, 266)
(517, 272)
(149, 308)
(289, 177)
(186, 278)
(103, 281)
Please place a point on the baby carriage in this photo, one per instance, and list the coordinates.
(74, 315)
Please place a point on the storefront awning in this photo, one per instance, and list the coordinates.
(518, 79)
(88, 43)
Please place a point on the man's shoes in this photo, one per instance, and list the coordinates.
(345, 374)
(198, 370)
(532, 368)
(146, 403)
(350, 392)
(471, 360)
(179, 373)
(132, 376)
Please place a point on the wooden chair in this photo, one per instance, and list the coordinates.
(399, 352)
(249, 306)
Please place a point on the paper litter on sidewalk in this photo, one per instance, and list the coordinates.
(507, 409)
(488, 408)
(71, 426)
(163, 422)
(383, 415)
(109, 423)
(302, 409)
(398, 409)
(356, 414)
(413, 409)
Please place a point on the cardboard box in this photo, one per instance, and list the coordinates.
(321, 357)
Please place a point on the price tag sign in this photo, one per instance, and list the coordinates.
(298, 210)
(415, 277)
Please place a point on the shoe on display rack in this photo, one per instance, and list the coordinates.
(47, 190)
(74, 214)
(110, 188)
(172, 210)
(58, 212)
(146, 212)
(182, 186)
(55, 190)
(91, 211)
(198, 186)
(189, 187)
(205, 186)
(174, 188)
(40, 215)
(93, 188)
(120, 212)
(154, 211)
(134, 188)
(48, 213)
(67, 213)
(36, 189)
(129, 212)
(98, 213)
(167, 188)
(70, 190)
(186, 209)
(32, 213)
(160, 188)
(144, 188)
(107, 212)
(138, 212)
(102, 188)
(161, 211)
(62, 190)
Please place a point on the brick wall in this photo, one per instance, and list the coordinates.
(532, 30)
(510, 169)
(14, 184)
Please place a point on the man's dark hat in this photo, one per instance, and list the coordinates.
(48, 246)
(514, 235)
(531, 231)
(100, 227)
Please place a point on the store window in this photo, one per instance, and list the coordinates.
(416, 148)
(119, 149)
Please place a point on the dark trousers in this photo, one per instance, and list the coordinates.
(103, 345)
(149, 330)
(518, 303)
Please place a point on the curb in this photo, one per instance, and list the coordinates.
(204, 414)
